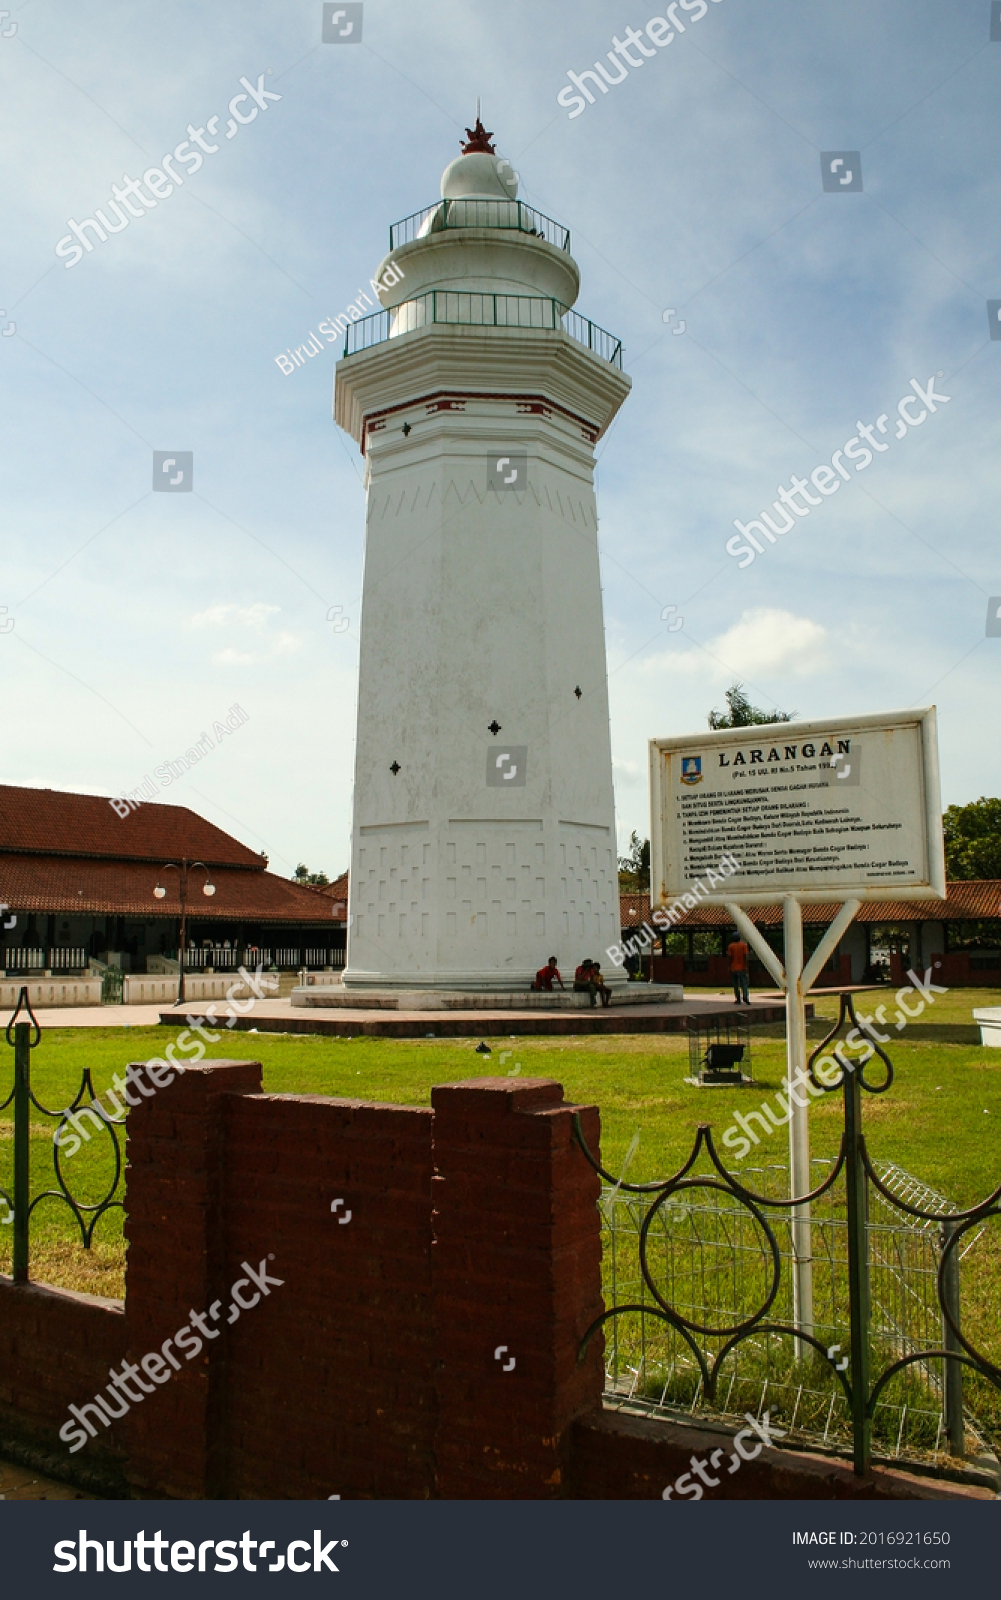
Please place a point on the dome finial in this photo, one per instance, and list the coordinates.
(478, 139)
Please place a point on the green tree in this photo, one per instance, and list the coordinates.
(742, 714)
(302, 874)
(634, 868)
(973, 839)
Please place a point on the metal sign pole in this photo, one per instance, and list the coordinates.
(797, 979)
(799, 1124)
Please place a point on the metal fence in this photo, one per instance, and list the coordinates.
(459, 308)
(707, 1256)
(18, 1200)
(509, 214)
(699, 1293)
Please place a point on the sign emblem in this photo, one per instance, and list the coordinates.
(691, 769)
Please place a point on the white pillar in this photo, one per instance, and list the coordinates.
(484, 827)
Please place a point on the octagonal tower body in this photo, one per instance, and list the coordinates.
(484, 831)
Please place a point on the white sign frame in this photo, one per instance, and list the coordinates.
(666, 875)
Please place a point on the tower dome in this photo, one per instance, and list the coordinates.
(479, 173)
(478, 238)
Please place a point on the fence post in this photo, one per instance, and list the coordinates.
(858, 1274)
(952, 1376)
(22, 1119)
(176, 1164)
(516, 1280)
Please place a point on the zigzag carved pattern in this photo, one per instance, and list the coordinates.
(408, 502)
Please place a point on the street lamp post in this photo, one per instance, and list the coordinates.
(208, 888)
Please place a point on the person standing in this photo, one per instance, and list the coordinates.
(738, 956)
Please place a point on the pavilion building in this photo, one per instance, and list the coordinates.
(78, 889)
(960, 938)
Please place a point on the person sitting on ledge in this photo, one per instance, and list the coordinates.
(547, 975)
(582, 976)
(597, 985)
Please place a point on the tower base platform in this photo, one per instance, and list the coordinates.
(277, 1016)
(624, 994)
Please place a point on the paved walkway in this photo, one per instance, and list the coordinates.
(280, 1016)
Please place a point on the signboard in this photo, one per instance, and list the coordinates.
(832, 810)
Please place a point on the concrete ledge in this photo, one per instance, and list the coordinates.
(648, 994)
(619, 1456)
(51, 991)
(143, 988)
(989, 1019)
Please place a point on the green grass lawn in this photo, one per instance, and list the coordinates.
(941, 1120)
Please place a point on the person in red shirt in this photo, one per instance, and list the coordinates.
(738, 955)
(547, 976)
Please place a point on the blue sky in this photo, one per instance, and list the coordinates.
(139, 619)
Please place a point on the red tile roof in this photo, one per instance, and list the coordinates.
(967, 901)
(338, 893)
(51, 822)
(125, 888)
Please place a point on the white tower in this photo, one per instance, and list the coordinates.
(484, 830)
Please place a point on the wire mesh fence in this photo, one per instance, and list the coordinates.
(712, 1263)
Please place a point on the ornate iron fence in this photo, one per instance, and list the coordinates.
(757, 1268)
(112, 986)
(19, 1201)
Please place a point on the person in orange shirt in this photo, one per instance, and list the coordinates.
(738, 955)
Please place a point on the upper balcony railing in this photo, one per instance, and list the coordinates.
(511, 214)
(468, 309)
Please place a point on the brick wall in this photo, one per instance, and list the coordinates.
(55, 1351)
(621, 1457)
(175, 1264)
(424, 1346)
(330, 1380)
(716, 973)
(517, 1281)
(954, 970)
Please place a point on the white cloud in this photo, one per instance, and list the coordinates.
(765, 642)
(768, 640)
(249, 619)
(628, 773)
(233, 658)
(255, 616)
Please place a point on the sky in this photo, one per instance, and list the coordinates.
(764, 318)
